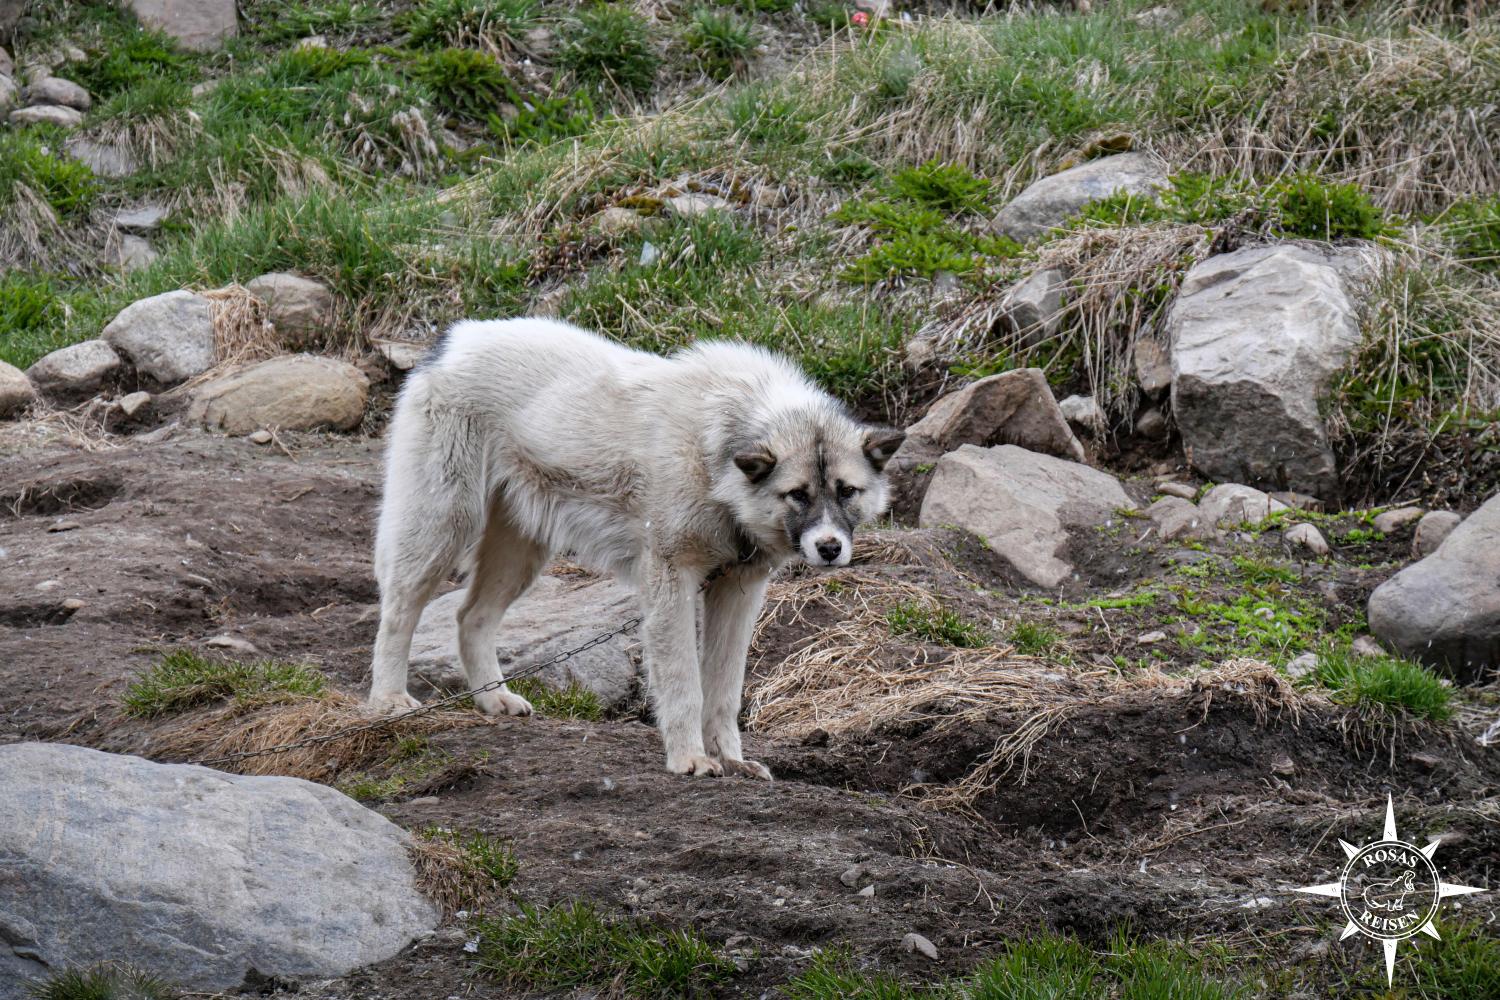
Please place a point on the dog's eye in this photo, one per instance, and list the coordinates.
(798, 497)
(846, 491)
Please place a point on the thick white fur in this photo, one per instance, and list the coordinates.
(526, 437)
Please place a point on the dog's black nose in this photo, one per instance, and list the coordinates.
(831, 549)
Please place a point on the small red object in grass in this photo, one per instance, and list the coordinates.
(860, 18)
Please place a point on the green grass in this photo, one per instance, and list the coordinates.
(497, 23)
(412, 759)
(1472, 228)
(64, 184)
(483, 855)
(1383, 684)
(609, 45)
(1034, 639)
(102, 982)
(184, 679)
(571, 702)
(721, 41)
(571, 946)
(941, 625)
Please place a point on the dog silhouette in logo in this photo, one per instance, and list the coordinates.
(1391, 893)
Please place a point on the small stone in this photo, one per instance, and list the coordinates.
(7, 64)
(868, 891)
(1083, 412)
(1157, 17)
(1230, 504)
(9, 95)
(1391, 521)
(298, 392)
(299, 308)
(539, 41)
(233, 643)
(104, 159)
(1153, 365)
(169, 337)
(1299, 501)
(1302, 666)
(132, 403)
(425, 800)
(1180, 490)
(205, 88)
(1283, 765)
(693, 204)
(141, 219)
(259, 437)
(56, 90)
(1366, 645)
(312, 42)
(1151, 638)
(1151, 423)
(1435, 526)
(1176, 518)
(617, 221)
(1308, 537)
(877, 9)
(47, 114)
(61, 526)
(201, 25)
(853, 876)
(72, 604)
(403, 355)
(132, 253)
(16, 390)
(918, 944)
(649, 254)
(1032, 309)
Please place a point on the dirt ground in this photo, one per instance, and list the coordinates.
(1174, 806)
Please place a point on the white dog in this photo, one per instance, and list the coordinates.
(524, 437)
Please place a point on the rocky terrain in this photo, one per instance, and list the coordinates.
(1189, 311)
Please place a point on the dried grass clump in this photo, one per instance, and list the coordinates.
(232, 730)
(445, 875)
(151, 141)
(241, 330)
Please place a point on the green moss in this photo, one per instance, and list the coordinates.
(184, 679)
(942, 625)
(609, 45)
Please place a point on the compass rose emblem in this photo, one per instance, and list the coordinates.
(1389, 890)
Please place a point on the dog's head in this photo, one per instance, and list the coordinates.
(806, 479)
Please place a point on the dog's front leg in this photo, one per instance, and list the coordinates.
(730, 609)
(669, 633)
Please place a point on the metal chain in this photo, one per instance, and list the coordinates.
(390, 720)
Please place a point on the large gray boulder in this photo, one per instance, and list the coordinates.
(556, 614)
(300, 392)
(16, 390)
(75, 370)
(1015, 407)
(196, 875)
(1445, 609)
(1256, 337)
(168, 337)
(1024, 505)
(1053, 200)
(200, 25)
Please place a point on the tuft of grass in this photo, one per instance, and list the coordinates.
(66, 185)
(1384, 684)
(482, 855)
(1464, 965)
(1035, 640)
(466, 82)
(29, 309)
(720, 41)
(134, 55)
(102, 982)
(184, 679)
(610, 45)
(570, 946)
(939, 624)
(494, 24)
(1472, 228)
(571, 702)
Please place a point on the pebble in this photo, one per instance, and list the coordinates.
(1151, 638)
(1302, 666)
(1394, 520)
(1182, 490)
(1366, 645)
(63, 526)
(72, 604)
(425, 800)
(915, 942)
(232, 642)
(260, 437)
(1309, 538)
(853, 876)
(132, 403)
(868, 891)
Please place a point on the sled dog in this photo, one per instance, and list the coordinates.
(520, 438)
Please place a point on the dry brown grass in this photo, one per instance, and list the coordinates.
(233, 730)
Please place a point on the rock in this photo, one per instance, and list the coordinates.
(1230, 504)
(104, 159)
(1152, 359)
(1023, 504)
(47, 114)
(1182, 491)
(301, 392)
(133, 403)
(1053, 200)
(1084, 412)
(1032, 308)
(852, 877)
(1365, 645)
(1435, 526)
(143, 219)
(920, 945)
(539, 41)
(1308, 537)
(868, 891)
(877, 9)
(134, 253)
(919, 352)
(1445, 609)
(1248, 413)
(16, 390)
(76, 370)
(1302, 666)
(1298, 501)
(403, 355)
(1151, 638)
(9, 95)
(1151, 423)
(299, 308)
(650, 254)
(693, 204)
(555, 614)
(1176, 518)
(1157, 17)
(56, 90)
(233, 643)
(1391, 521)
(1283, 765)
(200, 25)
(168, 337)
(7, 64)
(201, 877)
(1015, 407)
(616, 221)
(260, 437)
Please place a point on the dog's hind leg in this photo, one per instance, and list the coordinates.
(506, 564)
(730, 608)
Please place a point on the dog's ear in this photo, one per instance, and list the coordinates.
(756, 463)
(881, 443)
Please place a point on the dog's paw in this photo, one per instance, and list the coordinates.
(747, 769)
(696, 765)
(502, 703)
(391, 704)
